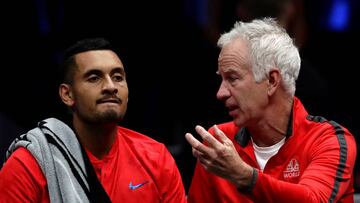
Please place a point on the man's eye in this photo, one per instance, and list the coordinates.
(118, 78)
(231, 78)
(93, 79)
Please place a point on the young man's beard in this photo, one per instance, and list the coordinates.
(107, 116)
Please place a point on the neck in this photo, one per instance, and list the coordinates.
(272, 128)
(97, 138)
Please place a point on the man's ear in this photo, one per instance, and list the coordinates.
(274, 80)
(66, 95)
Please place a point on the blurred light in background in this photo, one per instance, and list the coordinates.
(339, 16)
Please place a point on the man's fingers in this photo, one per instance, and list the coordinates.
(205, 135)
(220, 134)
(192, 140)
(197, 145)
(197, 153)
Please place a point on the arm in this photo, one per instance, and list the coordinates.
(327, 178)
(319, 183)
(171, 185)
(209, 188)
(21, 179)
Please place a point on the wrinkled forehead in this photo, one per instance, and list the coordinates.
(234, 55)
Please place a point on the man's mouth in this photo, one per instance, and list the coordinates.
(109, 100)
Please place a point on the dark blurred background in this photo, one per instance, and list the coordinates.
(170, 56)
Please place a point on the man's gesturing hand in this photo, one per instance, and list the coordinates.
(220, 157)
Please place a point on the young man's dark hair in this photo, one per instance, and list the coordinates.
(84, 45)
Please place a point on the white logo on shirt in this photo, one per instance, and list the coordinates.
(292, 169)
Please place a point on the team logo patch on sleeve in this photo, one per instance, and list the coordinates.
(292, 170)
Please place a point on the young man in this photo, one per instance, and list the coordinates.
(273, 150)
(94, 160)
